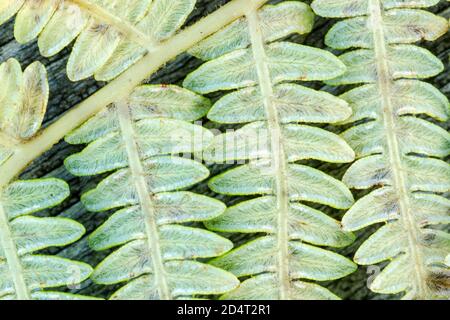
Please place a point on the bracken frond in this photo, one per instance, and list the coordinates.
(397, 150)
(248, 56)
(141, 137)
(25, 274)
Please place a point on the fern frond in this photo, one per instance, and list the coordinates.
(111, 35)
(141, 137)
(24, 274)
(124, 84)
(247, 56)
(395, 149)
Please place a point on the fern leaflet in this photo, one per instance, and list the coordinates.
(23, 274)
(395, 149)
(247, 56)
(141, 136)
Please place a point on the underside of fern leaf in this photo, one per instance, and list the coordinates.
(142, 136)
(247, 56)
(23, 273)
(396, 148)
(111, 35)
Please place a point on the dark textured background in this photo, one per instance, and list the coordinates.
(66, 94)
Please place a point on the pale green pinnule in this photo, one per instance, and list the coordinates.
(277, 22)
(156, 136)
(353, 8)
(305, 183)
(149, 102)
(408, 97)
(356, 32)
(259, 215)
(294, 104)
(162, 174)
(265, 287)
(302, 142)
(235, 70)
(405, 62)
(23, 99)
(186, 276)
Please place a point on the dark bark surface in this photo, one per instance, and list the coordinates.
(66, 94)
